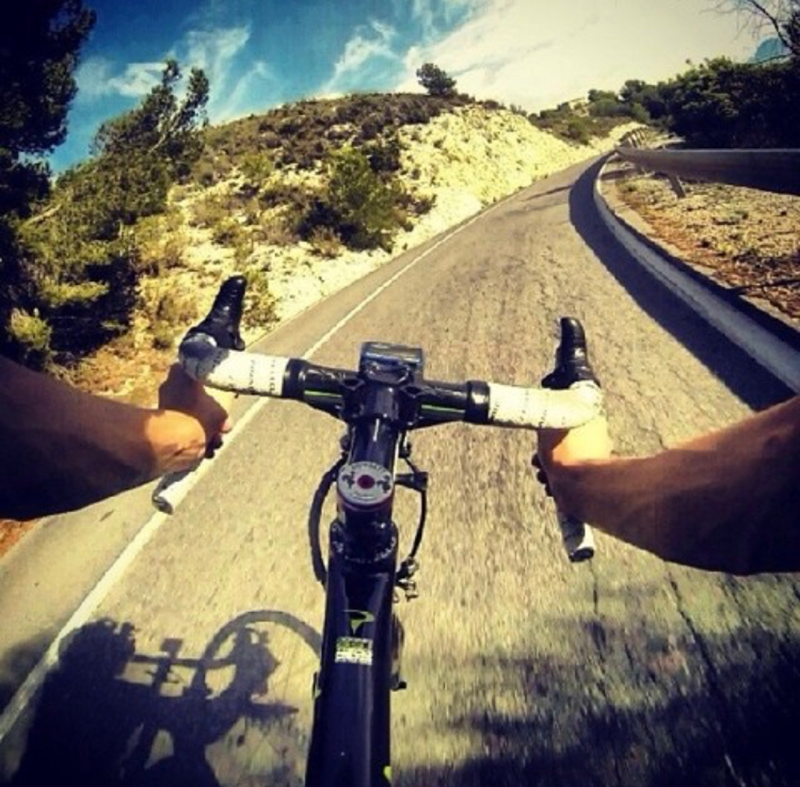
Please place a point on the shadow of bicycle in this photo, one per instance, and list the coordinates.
(109, 715)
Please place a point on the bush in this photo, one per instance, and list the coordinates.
(160, 245)
(578, 130)
(84, 289)
(208, 212)
(33, 335)
(256, 166)
(170, 314)
(325, 242)
(358, 206)
(436, 81)
(424, 204)
(364, 204)
(609, 107)
(205, 173)
(384, 156)
(259, 304)
(227, 232)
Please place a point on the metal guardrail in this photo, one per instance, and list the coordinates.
(768, 170)
(771, 346)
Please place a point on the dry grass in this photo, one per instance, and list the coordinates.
(746, 239)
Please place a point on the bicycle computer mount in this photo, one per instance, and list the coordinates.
(392, 357)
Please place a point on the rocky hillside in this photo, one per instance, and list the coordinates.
(260, 174)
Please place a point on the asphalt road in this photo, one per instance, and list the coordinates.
(522, 668)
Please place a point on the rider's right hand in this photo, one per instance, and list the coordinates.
(561, 449)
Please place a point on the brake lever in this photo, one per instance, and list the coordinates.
(571, 367)
(223, 325)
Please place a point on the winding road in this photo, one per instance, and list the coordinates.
(195, 666)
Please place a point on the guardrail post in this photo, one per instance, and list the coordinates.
(677, 186)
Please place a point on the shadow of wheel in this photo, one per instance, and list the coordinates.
(268, 742)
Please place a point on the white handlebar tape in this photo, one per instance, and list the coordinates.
(173, 488)
(230, 370)
(544, 408)
(262, 375)
(577, 537)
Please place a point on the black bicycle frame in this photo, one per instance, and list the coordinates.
(384, 400)
(350, 741)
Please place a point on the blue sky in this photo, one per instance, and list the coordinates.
(261, 53)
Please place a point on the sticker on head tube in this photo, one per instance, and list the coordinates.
(353, 650)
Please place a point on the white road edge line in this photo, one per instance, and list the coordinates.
(25, 693)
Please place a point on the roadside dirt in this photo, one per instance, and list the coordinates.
(11, 532)
(744, 239)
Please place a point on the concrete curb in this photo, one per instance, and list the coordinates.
(773, 344)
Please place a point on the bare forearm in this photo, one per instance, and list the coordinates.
(727, 501)
(63, 449)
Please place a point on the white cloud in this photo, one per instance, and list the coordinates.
(137, 79)
(214, 50)
(92, 77)
(366, 44)
(536, 53)
(249, 94)
(96, 79)
(423, 12)
(431, 14)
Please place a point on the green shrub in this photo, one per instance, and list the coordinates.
(256, 166)
(84, 289)
(171, 313)
(242, 247)
(260, 305)
(280, 228)
(32, 334)
(208, 212)
(424, 204)
(205, 173)
(164, 336)
(160, 245)
(175, 308)
(325, 242)
(384, 156)
(227, 232)
(578, 130)
(609, 107)
(361, 206)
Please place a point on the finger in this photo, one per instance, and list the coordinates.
(542, 479)
(213, 447)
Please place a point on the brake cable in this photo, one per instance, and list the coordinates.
(418, 481)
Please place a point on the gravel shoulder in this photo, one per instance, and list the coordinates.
(746, 240)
